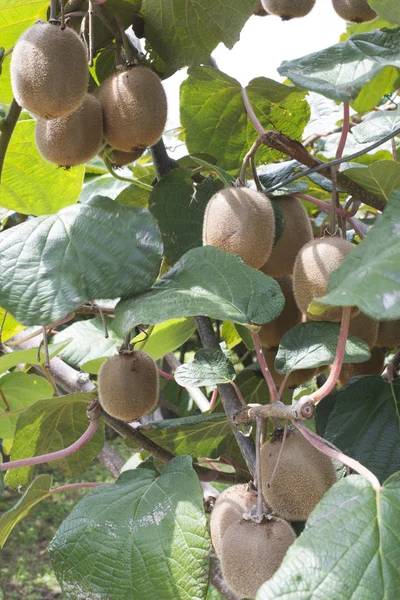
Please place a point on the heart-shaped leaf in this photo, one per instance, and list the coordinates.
(206, 281)
(209, 367)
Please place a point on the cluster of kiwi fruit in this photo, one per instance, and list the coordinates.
(128, 385)
(357, 11)
(49, 77)
(250, 551)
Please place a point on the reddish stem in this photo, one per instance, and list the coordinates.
(337, 363)
(252, 115)
(239, 394)
(330, 451)
(213, 398)
(283, 385)
(264, 368)
(357, 229)
(38, 460)
(73, 486)
(165, 374)
(345, 130)
(321, 204)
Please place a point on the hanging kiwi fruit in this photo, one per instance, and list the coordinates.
(74, 139)
(356, 11)
(240, 221)
(271, 333)
(301, 478)
(252, 552)
(228, 509)
(288, 9)
(314, 263)
(373, 366)
(388, 334)
(119, 159)
(49, 71)
(128, 385)
(259, 10)
(135, 109)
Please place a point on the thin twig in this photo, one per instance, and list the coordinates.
(264, 367)
(45, 349)
(239, 394)
(7, 127)
(5, 402)
(252, 115)
(345, 130)
(251, 153)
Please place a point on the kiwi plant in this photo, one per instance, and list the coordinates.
(295, 378)
(357, 11)
(135, 109)
(288, 9)
(240, 221)
(388, 334)
(74, 139)
(301, 478)
(120, 159)
(259, 10)
(271, 333)
(128, 385)
(252, 552)
(49, 71)
(228, 509)
(314, 263)
(373, 366)
(296, 232)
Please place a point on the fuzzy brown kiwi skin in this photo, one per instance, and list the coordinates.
(271, 333)
(301, 479)
(388, 334)
(74, 139)
(295, 378)
(49, 71)
(297, 231)
(228, 509)
(128, 385)
(240, 221)
(314, 263)
(373, 366)
(252, 552)
(120, 159)
(288, 9)
(259, 10)
(356, 11)
(365, 328)
(135, 109)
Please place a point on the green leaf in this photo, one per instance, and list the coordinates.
(179, 209)
(362, 419)
(185, 34)
(376, 125)
(387, 9)
(37, 491)
(209, 367)
(386, 82)
(350, 548)
(105, 185)
(49, 426)
(216, 122)
(225, 177)
(271, 175)
(30, 357)
(381, 177)
(20, 390)
(230, 335)
(22, 188)
(313, 344)
(253, 386)
(51, 265)
(10, 326)
(150, 533)
(206, 281)
(167, 337)
(369, 276)
(341, 71)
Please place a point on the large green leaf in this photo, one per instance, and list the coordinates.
(369, 276)
(341, 71)
(206, 281)
(209, 367)
(51, 265)
(30, 357)
(362, 419)
(20, 390)
(185, 33)
(387, 9)
(381, 177)
(350, 548)
(37, 491)
(179, 209)
(15, 17)
(49, 426)
(314, 344)
(10, 326)
(216, 122)
(22, 186)
(377, 125)
(142, 538)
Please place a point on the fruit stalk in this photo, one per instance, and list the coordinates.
(252, 115)
(6, 130)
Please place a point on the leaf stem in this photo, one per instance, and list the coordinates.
(252, 115)
(345, 130)
(7, 128)
(264, 368)
(74, 486)
(144, 186)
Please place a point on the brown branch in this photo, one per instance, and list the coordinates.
(302, 410)
(7, 127)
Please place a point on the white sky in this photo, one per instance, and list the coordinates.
(264, 43)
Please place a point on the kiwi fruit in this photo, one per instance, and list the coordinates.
(388, 334)
(135, 109)
(302, 477)
(271, 333)
(295, 378)
(356, 11)
(74, 139)
(314, 263)
(288, 9)
(228, 510)
(259, 10)
(373, 366)
(240, 221)
(364, 328)
(120, 159)
(128, 385)
(296, 232)
(252, 552)
(49, 71)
